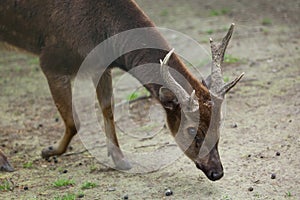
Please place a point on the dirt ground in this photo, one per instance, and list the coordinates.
(260, 136)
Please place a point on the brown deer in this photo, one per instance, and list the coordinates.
(63, 32)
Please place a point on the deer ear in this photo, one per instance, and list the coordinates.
(167, 98)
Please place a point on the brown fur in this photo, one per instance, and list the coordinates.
(63, 32)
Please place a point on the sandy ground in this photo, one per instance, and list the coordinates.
(260, 136)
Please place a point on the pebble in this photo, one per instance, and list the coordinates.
(234, 125)
(55, 159)
(273, 176)
(277, 153)
(111, 189)
(125, 197)
(168, 192)
(250, 189)
(65, 171)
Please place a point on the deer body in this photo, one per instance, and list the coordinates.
(63, 32)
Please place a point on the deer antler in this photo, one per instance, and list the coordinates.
(189, 102)
(218, 86)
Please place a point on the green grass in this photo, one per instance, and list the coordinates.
(288, 194)
(88, 185)
(27, 165)
(133, 96)
(266, 21)
(214, 13)
(164, 13)
(226, 79)
(34, 61)
(68, 196)
(210, 31)
(5, 186)
(93, 168)
(137, 94)
(63, 183)
(230, 59)
(223, 11)
(226, 197)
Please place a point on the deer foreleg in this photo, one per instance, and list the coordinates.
(105, 98)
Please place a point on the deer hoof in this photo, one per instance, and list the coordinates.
(4, 164)
(122, 164)
(6, 167)
(50, 151)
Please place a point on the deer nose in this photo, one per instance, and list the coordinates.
(216, 175)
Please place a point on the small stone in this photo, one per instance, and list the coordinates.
(25, 188)
(273, 176)
(277, 153)
(168, 192)
(234, 125)
(125, 197)
(249, 155)
(65, 171)
(252, 63)
(111, 189)
(261, 156)
(250, 189)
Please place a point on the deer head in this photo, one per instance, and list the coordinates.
(199, 137)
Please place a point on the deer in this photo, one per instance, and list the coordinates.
(63, 32)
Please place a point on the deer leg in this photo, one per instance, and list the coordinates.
(58, 64)
(60, 87)
(4, 164)
(105, 98)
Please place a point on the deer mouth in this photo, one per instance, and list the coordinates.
(212, 174)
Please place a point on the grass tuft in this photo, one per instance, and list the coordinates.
(229, 59)
(266, 22)
(223, 11)
(5, 186)
(63, 183)
(68, 196)
(88, 185)
(27, 165)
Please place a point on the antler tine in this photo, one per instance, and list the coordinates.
(227, 87)
(218, 86)
(218, 51)
(170, 82)
(189, 102)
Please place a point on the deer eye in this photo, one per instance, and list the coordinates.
(192, 131)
